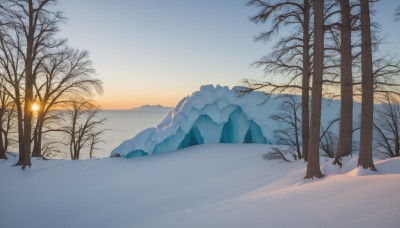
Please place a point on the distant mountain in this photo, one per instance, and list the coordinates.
(151, 107)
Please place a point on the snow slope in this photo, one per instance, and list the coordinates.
(222, 185)
(216, 115)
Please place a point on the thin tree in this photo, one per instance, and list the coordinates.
(82, 127)
(290, 125)
(7, 115)
(65, 75)
(328, 140)
(293, 53)
(313, 167)
(94, 140)
(387, 127)
(367, 106)
(277, 153)
(346, 85)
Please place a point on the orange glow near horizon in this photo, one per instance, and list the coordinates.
(125, 96)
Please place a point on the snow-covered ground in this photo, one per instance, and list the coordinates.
(223, 185)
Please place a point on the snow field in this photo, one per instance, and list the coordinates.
(221, 185)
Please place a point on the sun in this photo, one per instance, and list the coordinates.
(35, 107)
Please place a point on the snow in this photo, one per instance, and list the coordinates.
(216, 114)
(221, 185)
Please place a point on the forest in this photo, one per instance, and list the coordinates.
(332, 51)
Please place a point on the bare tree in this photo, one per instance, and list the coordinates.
(290, 125)
(387, 127)
(367, 105)
(328, 140)
(292, 55)
(50, 149)
(12, 70)
(313, 167)
(36, 23)
(94, 140)
(7, 116)
(65, 75)
(289, 132)
(82, 127)
(397, 13)
(279, 154)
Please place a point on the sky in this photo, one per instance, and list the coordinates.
(159, 51)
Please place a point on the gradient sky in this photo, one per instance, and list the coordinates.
(158, 51)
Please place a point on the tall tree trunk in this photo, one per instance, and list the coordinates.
(313, 168)
(305, 95)
(367, 105)
(346, 86)
(28, 116)
(29, 80)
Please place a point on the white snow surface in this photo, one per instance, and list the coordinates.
(221, 185)
(208, 110)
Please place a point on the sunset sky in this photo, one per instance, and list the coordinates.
(158, 51)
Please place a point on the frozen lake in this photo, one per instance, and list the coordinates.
(120, 124)
(125, 124)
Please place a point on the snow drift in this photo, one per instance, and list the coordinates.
(214, 115)
(222, 185)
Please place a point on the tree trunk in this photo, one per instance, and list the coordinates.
(367, 105)
(305, 95)
(37, 146)
(296, 135)
(2, 147)
(28, 117)
(346, 86)
(37, 137)
(3, 154)
(395, 117)
(20, 128)
(313, 168)
(29, 80)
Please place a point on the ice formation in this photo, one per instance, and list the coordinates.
(212, 115)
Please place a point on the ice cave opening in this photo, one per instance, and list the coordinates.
(191, 139)
(136, 153)
(254, 134)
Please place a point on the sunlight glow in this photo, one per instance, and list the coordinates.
(35, 107)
